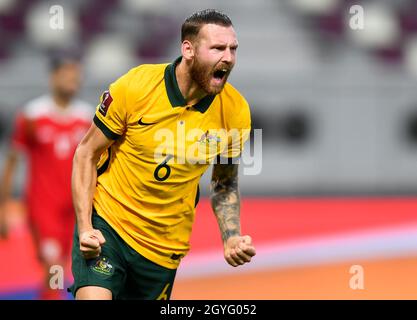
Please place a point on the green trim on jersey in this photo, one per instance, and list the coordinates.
(174, 94)
(106, 131)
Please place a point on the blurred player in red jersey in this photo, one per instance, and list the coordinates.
(47, 131)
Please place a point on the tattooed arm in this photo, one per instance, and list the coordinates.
(225, 202)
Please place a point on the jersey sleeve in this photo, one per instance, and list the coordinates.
(111, 113)
(238, 130)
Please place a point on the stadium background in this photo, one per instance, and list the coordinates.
(338, 112)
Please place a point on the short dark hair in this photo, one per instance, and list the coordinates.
(192, 25)
(59, 58)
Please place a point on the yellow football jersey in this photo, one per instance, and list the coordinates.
(147, 185)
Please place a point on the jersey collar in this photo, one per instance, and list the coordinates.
(174, 93)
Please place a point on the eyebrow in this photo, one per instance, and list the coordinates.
(234, 45)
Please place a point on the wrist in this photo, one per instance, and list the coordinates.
(84, 227)
(230, 237)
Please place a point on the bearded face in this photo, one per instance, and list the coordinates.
(66, 81)
(214, 57)
(211, 78)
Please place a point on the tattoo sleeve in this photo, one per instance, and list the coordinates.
(225, 199)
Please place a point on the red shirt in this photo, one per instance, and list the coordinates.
(49, 136)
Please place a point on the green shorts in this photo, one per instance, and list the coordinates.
(119, 268)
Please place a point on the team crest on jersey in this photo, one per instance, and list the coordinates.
(102, 266)
(106, 100)
(209, 138)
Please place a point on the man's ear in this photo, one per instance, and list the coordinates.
(187, 50)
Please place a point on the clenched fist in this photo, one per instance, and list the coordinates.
(239, 250)
(90, 243)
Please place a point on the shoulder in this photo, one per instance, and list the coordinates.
(235, 106)
(140, 78)
(233, 99)
(147, 69)
(38, 107)
(145, 73)
(82, 110)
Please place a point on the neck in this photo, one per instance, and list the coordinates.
(190, 90)
(61, 101)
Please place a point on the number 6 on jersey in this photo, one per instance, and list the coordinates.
(162, 165)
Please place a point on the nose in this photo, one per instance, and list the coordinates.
(228, 56)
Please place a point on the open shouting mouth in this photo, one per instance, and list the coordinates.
(220, 75)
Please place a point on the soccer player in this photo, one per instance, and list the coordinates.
(134, 190)
(47, 132)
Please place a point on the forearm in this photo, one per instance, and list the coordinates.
(225, 201)
(84, 177)
(7, 176)
(226, 207)
(6, 186)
